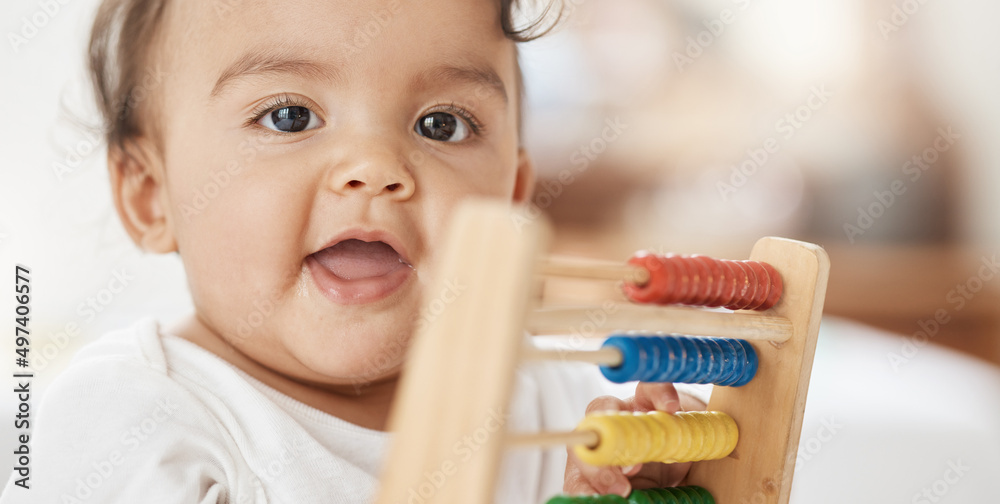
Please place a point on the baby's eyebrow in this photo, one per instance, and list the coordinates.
(262, 63)
(259, 62)
(481, 76)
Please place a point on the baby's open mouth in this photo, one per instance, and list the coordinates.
(355, 259)
(353, 271)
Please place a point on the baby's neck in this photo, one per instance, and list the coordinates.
(367, 407)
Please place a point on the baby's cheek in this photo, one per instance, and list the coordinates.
(237, 282)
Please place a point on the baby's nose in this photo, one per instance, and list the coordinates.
(375, 176)
(373, 189)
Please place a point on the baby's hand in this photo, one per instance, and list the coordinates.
(582, 478)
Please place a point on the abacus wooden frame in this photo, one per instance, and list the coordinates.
(458, 378)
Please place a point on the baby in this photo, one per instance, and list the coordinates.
(303, 158)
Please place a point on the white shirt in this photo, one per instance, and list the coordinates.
(143, 416)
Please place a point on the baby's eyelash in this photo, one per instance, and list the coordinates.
(275, 103)
(477, 127)
(284, 100)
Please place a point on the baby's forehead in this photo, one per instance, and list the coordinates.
(226, 40)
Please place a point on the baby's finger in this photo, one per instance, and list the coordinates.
(657, 475)
(656, 396)
(631, 470)
(692, 403)
(605, 403)
(584, 479)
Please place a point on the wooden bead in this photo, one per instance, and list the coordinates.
(628, 438)
(703, 281)
(673, 495)
(680, 359)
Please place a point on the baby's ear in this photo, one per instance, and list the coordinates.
(137, 186)
(524, 186)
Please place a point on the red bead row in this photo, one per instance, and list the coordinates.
(704, 281)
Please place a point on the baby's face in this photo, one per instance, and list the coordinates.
(313, 151)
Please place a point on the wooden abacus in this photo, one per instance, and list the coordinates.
(467, 355)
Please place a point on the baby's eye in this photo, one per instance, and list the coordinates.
(290, 119)
(443, 127)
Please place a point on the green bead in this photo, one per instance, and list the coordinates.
(666, 496)
(653, 496)
(679, 495)
(691, 494)
(610, 499)
(562, 499)
(639, 497)
(706, 497)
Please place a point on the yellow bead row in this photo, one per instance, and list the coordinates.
(628, 438)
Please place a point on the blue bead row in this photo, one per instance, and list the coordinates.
(682, 359)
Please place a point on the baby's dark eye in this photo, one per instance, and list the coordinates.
(443, 127)
(290, 119)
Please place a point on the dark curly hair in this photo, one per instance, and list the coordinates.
(120, 52)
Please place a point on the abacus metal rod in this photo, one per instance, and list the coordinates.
(607, 318)
(587, 438)
(593, 269)
(606, 356)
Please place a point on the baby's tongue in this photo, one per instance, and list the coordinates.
(356, 259)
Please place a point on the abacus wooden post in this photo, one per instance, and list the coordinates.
(748, 325)
(592, 269)
(769, 409)
(459, 375)
(547, 439)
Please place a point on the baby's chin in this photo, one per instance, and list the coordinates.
(353, 355)
(308, 337)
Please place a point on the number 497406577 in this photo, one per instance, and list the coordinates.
(22, 293)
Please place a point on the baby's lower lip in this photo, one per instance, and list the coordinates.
(358, 291)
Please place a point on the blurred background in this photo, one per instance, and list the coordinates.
(689, 126)
(806, 119)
